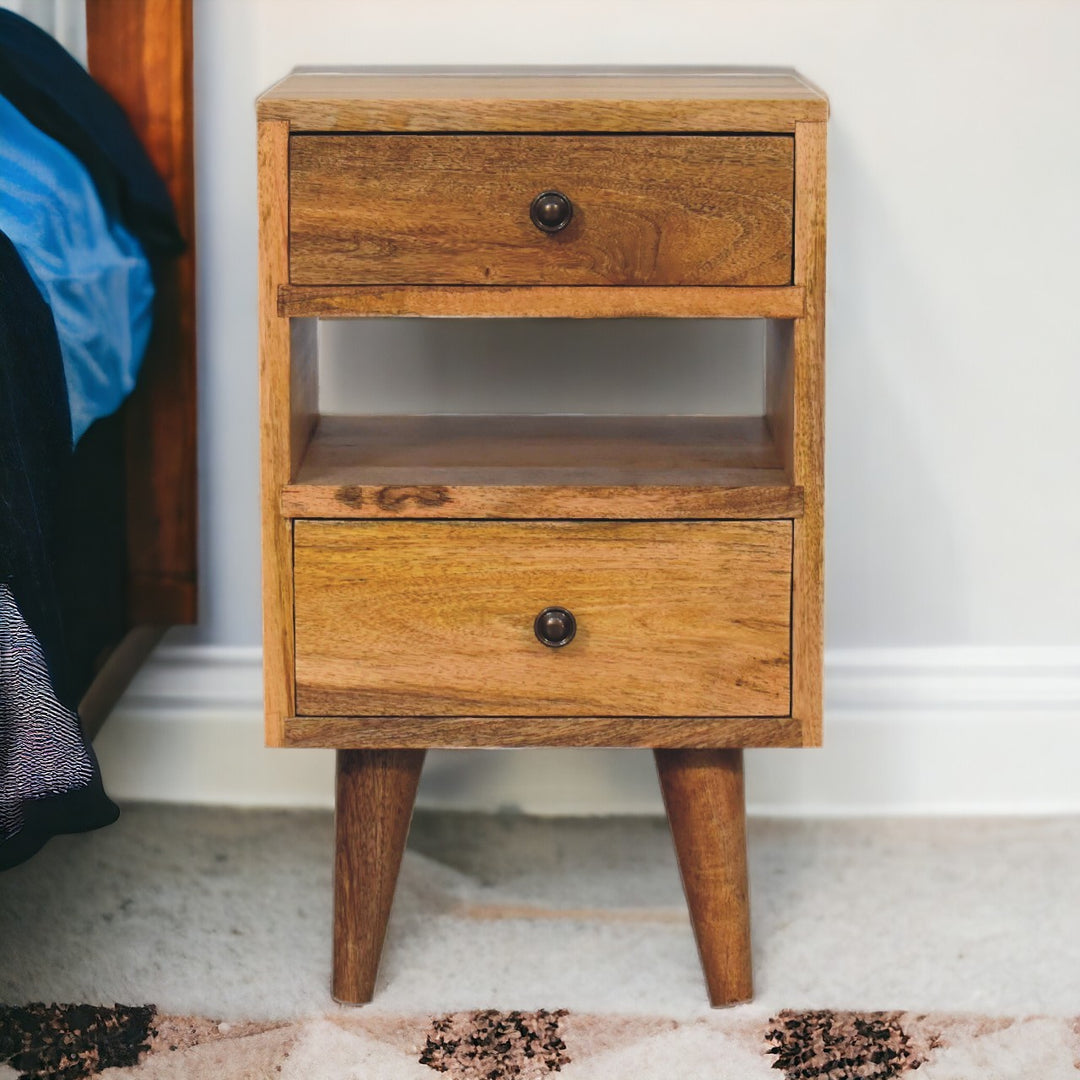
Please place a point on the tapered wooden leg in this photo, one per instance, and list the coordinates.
(376, 790)
(706, 808)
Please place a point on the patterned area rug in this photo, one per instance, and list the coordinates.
(575, 928)
(75, 1041)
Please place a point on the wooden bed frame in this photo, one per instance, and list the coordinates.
(140, 51)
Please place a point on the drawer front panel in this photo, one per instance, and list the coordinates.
(455, 209)
(437, 618)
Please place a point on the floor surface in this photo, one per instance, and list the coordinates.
(226, 913)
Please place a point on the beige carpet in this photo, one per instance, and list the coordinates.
(525, 948)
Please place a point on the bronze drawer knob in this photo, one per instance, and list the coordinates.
(555, 626)
(551, 211)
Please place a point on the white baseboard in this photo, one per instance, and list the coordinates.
(908, 731)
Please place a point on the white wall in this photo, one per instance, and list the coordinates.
(65, 20)
(954, 226)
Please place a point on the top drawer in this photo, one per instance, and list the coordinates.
(455, 209)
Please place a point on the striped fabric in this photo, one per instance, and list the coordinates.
(42, 753)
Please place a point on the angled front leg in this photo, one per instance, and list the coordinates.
(706, 809)
(376, 790)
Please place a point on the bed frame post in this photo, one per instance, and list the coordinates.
(140, 51)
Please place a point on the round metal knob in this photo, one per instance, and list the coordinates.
(551, 211)
(555, 626)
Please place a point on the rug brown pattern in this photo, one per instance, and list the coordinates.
(826, 1045)
(69, 1042)
(493, 1045)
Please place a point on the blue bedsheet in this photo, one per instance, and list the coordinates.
(90, 270)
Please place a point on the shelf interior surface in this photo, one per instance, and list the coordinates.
(525, 450)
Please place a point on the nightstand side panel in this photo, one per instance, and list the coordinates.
(288, 393)
(808, 423)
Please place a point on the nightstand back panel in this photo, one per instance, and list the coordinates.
(424, 618)
(455, 209)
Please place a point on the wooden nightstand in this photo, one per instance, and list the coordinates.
(442, 581)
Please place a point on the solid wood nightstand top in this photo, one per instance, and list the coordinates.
(544, 99)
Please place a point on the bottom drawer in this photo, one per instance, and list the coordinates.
(411, 618)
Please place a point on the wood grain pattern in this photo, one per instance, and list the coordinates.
(141, 53)
(779, 390)
(454, 209)
(464, 732)
(288, 401)
(808, 464)
(374, 800)
(645, 502)
(706, 808)
(546, 302)
(541, 467)
(436, 618)
(551, 99)
(303, 388)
